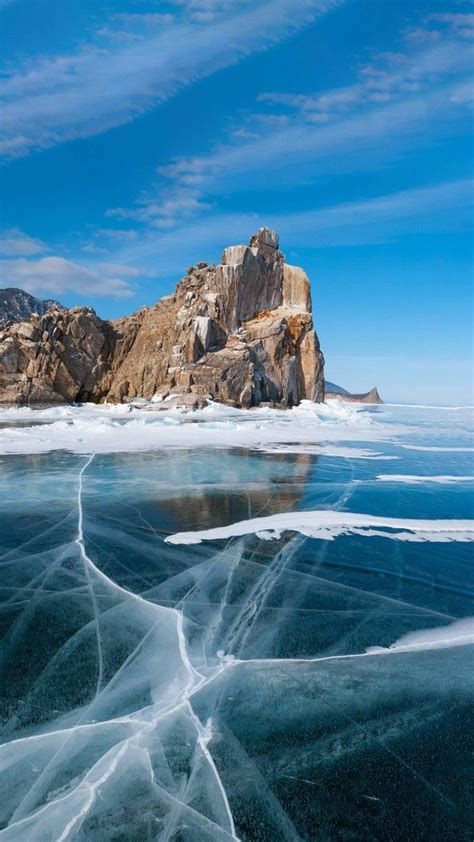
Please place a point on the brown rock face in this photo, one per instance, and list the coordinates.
(240, 332)
(59, 357)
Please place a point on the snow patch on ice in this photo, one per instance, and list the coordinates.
(459, 633)
(328, 524)
(412, 479)
(436, 449)
(336, 451)
(125, 428)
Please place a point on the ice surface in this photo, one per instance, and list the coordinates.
(270, 690)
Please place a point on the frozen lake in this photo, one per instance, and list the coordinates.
(237, 624)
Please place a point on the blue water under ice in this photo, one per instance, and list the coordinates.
(222, 690)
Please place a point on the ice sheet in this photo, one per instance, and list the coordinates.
(248, 689)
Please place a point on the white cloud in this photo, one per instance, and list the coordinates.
(383, 218)
(117, 234)
(461, 22)
(443, 207)
(400, 101)
(364, 138)
(93, 248)
(206, 11)
(181, 203)
(49, 100)
(119, 269)
(14, 242)
(141, 19)
(57, 276)
(389, 77)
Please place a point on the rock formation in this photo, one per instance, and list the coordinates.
(240, 332)
(337, 392)
(59, 357)
(16, 305)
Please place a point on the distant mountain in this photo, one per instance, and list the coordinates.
(334, 390)
(331, 390)
(16, 305)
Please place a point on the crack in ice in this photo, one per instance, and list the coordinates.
(157, 719)
(195, 682)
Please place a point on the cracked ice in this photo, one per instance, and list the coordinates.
(309, 687)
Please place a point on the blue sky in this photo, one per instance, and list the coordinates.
(138, 138)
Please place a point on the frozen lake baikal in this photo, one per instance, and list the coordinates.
(236, 624)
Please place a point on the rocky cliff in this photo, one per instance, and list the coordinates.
(16, 305)
(240, 332)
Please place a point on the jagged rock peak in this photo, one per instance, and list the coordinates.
(240, 332)
(265, 237)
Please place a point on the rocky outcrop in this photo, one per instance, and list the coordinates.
(240, 332)
(59, 357)
(16, 305)
(337, 392)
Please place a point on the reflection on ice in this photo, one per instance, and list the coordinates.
(240, 688)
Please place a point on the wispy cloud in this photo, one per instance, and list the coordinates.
(119, 269)
(358, 140)
(400, 101)
(388, 78)
(14, 242)
(441, 208)
(182, 203)
(461, 22)
(362, 140)
(117, 234)
(211, 10)
(109, 83)
(57, 276)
